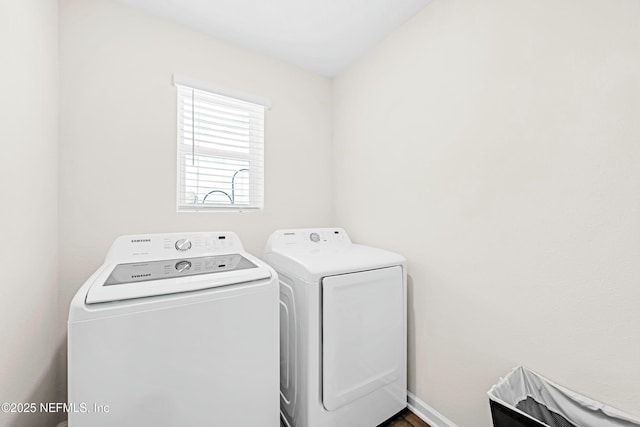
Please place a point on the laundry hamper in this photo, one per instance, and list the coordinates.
(526, 399)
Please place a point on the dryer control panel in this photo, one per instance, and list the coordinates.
(311, 238)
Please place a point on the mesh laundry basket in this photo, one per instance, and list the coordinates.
(525, 399)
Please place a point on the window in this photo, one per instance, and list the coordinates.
(220, 149)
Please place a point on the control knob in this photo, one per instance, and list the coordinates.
(183, 266)
(183, 245)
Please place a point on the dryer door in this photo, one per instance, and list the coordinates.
(363, 334)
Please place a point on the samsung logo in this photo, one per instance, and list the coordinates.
(140, 240)
(137, 276)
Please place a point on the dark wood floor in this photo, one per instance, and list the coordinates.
(405, 418)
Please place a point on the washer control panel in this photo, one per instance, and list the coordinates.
(173, 245)
(124, 274)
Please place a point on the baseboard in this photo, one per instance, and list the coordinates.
(426, 413)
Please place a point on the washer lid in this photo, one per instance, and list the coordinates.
(311, 254)
(162, 277)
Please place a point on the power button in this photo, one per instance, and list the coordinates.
(315, 237)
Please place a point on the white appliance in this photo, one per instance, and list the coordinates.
(175, 330)
(342, 329)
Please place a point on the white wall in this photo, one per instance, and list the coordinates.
(29, 194)
(496, 144)
(118, 134)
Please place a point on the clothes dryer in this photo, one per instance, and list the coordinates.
(342, 329)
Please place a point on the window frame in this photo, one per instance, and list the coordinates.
(255, 203)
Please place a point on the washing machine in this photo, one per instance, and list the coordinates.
(175, 330)
(342, 329)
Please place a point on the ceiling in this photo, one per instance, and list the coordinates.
(323, 36)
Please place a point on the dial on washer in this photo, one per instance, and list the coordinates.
(183, 266)
(183, 245)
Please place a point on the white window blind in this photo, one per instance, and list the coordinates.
(220, 152)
